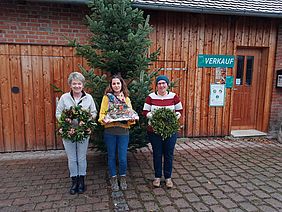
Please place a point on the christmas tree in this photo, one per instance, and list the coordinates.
(119, 45)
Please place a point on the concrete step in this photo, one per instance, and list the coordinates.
(247, 133)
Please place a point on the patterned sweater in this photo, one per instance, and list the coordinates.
(104, 109)
(155, 101)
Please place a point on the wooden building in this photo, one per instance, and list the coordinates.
(34, 55)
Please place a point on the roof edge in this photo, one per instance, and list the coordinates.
(205, 10)
(177, 8)
(62, 1)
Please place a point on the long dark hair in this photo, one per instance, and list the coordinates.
(124, 89)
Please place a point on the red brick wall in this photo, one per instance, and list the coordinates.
(41, 23)
(276, 106)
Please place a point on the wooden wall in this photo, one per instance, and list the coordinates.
(27, 120)
(182, 36)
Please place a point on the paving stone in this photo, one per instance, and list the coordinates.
(184, 189)
(193, 183)
(6, 203)
(217, 181)
(267, 189)
(159, 191)
(146, 196)
(267, 208)
(227, 203)
(277, 196)
(130, 194)
(248, 206)
(64, 203)
(68, 209)
(200, 191)
(178, 181)
(244, 191)
(209, 200)
(151, 206)
(218, 208)
(235, 210)
(174, 193)
(181, 203)
(28, 207)
(226, 188)
(233, 184)
(169, 209)
(200, 206)
(11, 209)
(43, 205)
(21, 201)
(191, 197)
(163, 200)
(236, 197)
(274, 203)
(102, 206)
(261, 194)
(250, 186)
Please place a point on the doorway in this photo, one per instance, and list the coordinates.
(249, 89)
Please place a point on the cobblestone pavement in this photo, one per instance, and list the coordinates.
(209, 175)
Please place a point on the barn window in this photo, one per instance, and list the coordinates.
(240, 69)
(249, 69)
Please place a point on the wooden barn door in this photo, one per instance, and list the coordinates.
(248, 89)
(27, 98)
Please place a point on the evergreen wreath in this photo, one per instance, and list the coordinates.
(76, 124)
(164, 122)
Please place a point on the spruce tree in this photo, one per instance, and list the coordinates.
(119, 45)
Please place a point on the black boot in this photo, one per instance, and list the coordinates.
(74, 185)
(81, 186)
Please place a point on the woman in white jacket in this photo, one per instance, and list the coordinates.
(76, 151)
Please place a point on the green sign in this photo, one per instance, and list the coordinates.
(207, 60)
(229, 81)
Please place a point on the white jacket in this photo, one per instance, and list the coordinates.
(66, 101)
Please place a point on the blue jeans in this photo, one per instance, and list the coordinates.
(76, 153)
(119, 144)
(162, 149)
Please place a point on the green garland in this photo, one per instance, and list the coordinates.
(75, 124)
(164, 122)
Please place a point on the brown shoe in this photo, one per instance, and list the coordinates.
(157, 182)
(168, 183)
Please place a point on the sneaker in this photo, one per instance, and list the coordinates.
(157, 182)
(123, 184)
(168, 183)
(114, 183)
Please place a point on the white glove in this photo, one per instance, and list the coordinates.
(178, 115)
(149, 115)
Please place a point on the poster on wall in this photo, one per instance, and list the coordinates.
(217, 95)
(220, 75)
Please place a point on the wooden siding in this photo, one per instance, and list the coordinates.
(27, 120)
(28, 117)
(183, 36)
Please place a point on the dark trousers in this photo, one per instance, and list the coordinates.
(162, 148)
